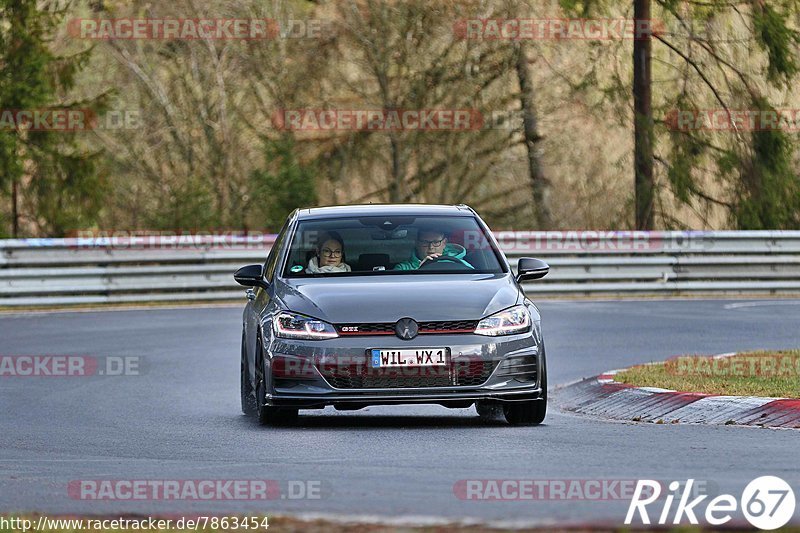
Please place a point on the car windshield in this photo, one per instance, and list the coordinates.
(394, 245)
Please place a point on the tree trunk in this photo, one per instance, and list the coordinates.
(539, 183)
(396, 180)
(643, 119)
(14, 209)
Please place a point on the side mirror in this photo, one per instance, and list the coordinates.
(251, 276)
(529, 268)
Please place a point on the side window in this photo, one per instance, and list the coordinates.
(274, 253)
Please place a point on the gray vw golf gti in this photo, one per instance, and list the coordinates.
(390, 304)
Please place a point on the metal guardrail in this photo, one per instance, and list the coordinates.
(37, 272)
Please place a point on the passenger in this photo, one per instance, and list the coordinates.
(432, 244)
(330, 256)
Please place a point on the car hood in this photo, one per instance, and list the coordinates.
(389, 298)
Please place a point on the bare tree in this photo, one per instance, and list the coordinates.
(539, 184)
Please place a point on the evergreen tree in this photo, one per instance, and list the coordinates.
(717, 49)
(284, 185)
(47, 176)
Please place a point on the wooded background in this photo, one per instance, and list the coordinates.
(583, 146)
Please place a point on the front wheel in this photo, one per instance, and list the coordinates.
(488, 410)
(268, 415)
(529, 412)
(248, 399)
(273, 416)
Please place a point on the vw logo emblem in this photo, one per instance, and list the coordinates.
(406, 328)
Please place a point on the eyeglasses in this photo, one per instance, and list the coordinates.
(435, 244)
(327, 252)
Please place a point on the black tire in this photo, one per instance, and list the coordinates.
(248, 399)
(532, 412)
(488, 410)
(268, 415)
(527, 413)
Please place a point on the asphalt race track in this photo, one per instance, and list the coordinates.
(180, 419)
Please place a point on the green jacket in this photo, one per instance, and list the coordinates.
(451, 250)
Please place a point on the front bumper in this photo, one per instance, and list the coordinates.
(515, 362)
(446, 398)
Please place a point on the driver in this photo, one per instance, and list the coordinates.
(431, 245)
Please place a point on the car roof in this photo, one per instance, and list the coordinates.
(341, 211)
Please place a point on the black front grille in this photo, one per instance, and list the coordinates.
(458, 373)
(448, 326)
(473, 373)
(387, 328)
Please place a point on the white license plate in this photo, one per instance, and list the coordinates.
(409, 357)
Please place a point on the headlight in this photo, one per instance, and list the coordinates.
(292, 326)
(514, 320)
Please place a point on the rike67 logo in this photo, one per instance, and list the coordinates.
(768, 502)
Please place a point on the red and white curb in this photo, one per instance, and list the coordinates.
(604, 397)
